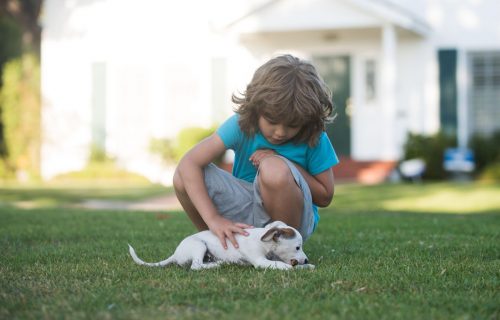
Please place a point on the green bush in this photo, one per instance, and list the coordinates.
(491, 172)
(6, 173)
(172, 150)
(188, 138)
(99, 155)
(20, 101)
(101, 171)
(486, 150)
(431, 150)
(10, 40)
(100, 167)
(163, 148)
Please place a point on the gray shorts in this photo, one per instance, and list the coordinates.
(240, 201)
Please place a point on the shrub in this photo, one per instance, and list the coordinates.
(99, 155)
(101, 171)
(172, 150)
(431, 150)
(188, 138)
(6, 173)
(20, 101)
(486, 150)
(491, 172)
(163, 148)
(10, 40)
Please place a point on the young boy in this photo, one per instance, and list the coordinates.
(283, 157)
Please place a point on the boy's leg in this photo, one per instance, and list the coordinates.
(281, 196)
(232, 197)
(187, 205)
(286, 196)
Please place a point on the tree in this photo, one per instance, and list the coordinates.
(20, 36)
(25, 13)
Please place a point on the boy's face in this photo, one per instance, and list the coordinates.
(277, 133)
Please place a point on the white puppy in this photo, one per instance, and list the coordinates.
(261, 248)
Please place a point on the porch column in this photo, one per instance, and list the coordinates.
(391, 141)
(462, 85)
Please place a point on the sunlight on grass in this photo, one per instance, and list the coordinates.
(455, 201)
(440, 197)
(60, 194)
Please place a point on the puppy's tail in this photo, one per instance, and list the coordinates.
(149, 264)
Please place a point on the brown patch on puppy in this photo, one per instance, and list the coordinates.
(288, 233)
(276, 233)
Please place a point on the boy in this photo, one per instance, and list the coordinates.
(283, 157)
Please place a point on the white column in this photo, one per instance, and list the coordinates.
(388, 93)
(462, 105)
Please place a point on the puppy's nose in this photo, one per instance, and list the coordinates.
(306, 261)
(294, 262)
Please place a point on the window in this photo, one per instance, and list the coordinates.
(370, 80)
(484, 94)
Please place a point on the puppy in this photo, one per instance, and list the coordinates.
(276, 241)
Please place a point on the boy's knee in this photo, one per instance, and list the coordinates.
(274, 173)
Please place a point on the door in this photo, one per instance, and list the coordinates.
(336, 71)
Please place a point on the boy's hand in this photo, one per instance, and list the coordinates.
(260, 155)
(224, 228)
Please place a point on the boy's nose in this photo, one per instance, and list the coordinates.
(280, 132)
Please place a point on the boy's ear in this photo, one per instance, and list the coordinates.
(275, 233)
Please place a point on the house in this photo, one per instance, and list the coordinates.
(118, 73)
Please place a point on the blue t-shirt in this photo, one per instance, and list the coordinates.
(313, 159)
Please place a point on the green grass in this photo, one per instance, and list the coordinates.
(373, 262)
(60, 194)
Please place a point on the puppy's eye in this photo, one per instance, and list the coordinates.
(297, 248)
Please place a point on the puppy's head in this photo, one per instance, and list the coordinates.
(286, 243)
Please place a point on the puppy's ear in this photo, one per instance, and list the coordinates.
(287, 233)
(275, 233)
(276, 223)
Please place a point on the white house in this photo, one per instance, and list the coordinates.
(118, 73)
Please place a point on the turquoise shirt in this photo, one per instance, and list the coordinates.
(315, 159)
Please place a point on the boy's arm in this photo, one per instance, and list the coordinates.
(190, 169)
(321, 185)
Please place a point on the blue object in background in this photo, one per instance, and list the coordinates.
(459, 160)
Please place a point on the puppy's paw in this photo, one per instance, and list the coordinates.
(305, 266)
(283, 266)
(278, 265)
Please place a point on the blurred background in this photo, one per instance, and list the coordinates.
(122, 88)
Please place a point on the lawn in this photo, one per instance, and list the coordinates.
(63, 194)
(388, 251)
